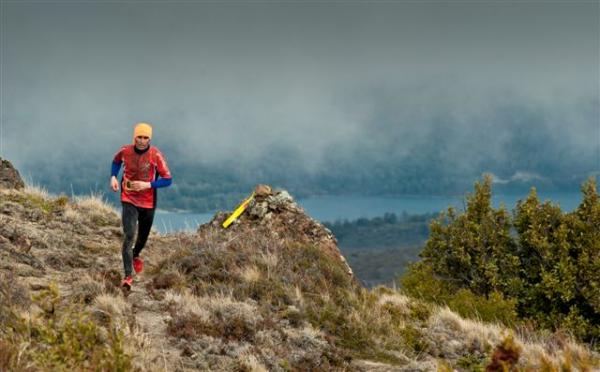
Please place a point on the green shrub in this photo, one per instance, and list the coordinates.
(40, 202)
(560, 255)
(63, 339)
(471, 362)
(419, 311)
(420, 281)
(541, 264)
(76, 342)
(413, 339)
(474, 249)
(494, 308)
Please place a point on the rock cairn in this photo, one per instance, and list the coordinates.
(276, 213)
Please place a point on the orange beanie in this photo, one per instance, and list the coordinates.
(142, 129)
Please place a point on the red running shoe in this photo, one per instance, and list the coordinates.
(127, 282)
(138, 265)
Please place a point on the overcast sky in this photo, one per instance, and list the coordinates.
(232, 79)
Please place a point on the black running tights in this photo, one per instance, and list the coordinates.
(132, 215)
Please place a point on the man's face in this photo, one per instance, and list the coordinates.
(142, 142)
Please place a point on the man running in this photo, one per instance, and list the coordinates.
(145, 170)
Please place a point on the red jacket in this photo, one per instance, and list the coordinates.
(141, 166)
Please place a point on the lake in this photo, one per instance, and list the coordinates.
(331, 208)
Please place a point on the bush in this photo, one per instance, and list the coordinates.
(63, 339)
(494, 308)
(542, 264)
(420, 282)
(560, 256)
(474, 249)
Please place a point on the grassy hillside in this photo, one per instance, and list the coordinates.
(269, 293)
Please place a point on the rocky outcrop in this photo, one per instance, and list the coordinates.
(9, 176)
(276, 214)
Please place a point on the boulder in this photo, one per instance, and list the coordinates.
(9, 176)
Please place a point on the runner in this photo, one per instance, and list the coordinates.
(145, 170)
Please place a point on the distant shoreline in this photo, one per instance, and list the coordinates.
(332, 208)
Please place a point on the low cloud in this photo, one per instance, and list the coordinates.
(451, 86)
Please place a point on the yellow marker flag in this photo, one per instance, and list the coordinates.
(239, 210)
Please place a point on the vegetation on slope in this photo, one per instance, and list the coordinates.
(270, 293)
(540, 266)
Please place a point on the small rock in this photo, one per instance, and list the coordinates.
(281, 198)
(23, 243)
(4, 241)
(263, 191)
(258, 210)
(38, 286)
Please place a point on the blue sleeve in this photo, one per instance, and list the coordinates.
(161, 182)
(114, 170)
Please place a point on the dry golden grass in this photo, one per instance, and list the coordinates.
(400, 301)
(71, 214)
(270, 259)
(470, 330)
(110, 308)
(552, 356)
(249, 362)
(537, 353)
(83, 208)
(298, 297)
(139, 345)
(226, 306)
(251, 274)
(186, 303)
(219, 316)
(306, 335)
(36, 191)
(95, 203)
(114, 311)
